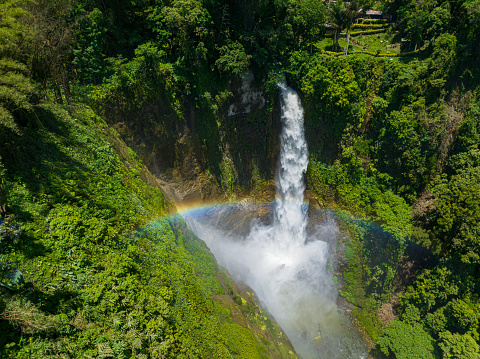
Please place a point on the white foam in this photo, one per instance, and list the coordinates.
(287, 269)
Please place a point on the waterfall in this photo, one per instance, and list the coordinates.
(291, 219)
(286, 266)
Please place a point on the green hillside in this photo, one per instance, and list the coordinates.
(94, 262)
(93, 265)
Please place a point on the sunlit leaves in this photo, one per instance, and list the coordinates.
(456, 215)
(16, 89)
(181, 27)
(425, 19)
(307, 16)
(233, 59)
(14, 34)
(395, 213)
(458, 346)
(332, 80)
(407, 341)
(432, 289)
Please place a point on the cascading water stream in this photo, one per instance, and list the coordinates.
(286, 267)
(291, 220)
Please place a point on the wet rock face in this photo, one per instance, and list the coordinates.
(251, 125)
(247, 97)
(186, 153)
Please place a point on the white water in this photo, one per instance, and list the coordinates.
(288, 269)
(291, 221)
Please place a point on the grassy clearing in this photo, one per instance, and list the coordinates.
(373, 43)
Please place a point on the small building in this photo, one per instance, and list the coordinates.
(375, 14)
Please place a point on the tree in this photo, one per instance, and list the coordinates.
(463, 317)
(350, 13)
(432, 289)
(406, 341)
(308, 17)
(15, 34)
(16, 88)
(471, 29)
(233, 59)
(181, 27)
(458, 346)
(53, 45)
(89, 55)
(337, 11)
(424, 20)
(455, 216)
(333, 82)
(17, 94)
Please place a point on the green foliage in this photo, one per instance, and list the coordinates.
(14, 34)
(463, 317)
(432, 289)
(183, 28)
(16, 90)
(10, 275)
(390, 144)
(229, 176)
(362, 32)
(334, 81)
(459, 346)
(403, 341)
(385, 131)
(401, 135)
(233, 59)
(137, 81)
(370, 26)
(455, 216)
(10, 232)
(375, 21)
(88, 58)
(306, 18)
(363, 192)
(425, 20)
(96, 277)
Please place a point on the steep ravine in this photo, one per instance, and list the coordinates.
(176, 159)
(248, 141)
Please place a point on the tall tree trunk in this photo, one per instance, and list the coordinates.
(347, 40)
(337, 37)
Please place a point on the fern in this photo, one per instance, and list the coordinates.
(119, 349)
(105, 351)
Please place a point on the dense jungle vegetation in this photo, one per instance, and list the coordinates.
(90, 264)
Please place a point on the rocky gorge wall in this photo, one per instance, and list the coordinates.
(205, 154)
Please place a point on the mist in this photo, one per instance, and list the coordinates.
(289, 268)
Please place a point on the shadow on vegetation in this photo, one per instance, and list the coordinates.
(34, 158)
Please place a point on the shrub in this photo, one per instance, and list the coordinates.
(406, 341)
(375, 21)
(370, 26)
(459, 346)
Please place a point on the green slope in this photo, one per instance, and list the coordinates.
(106, 271)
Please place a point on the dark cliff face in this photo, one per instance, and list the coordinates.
(204, 154)
(252, 125)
